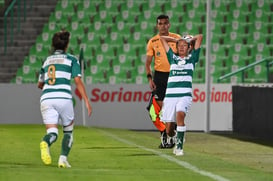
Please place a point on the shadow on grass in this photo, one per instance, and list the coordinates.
(7, 164)
(242, 137)
(143, 154)
(109, 147)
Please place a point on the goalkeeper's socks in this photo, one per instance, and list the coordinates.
(180, 136)
(67, 143)
(50, 138)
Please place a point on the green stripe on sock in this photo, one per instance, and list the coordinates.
(67, 143)
(180, 138)
(50, 138)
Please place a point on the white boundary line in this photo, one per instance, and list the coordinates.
(170, 158)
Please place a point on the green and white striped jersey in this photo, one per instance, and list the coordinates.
(181, 72)
(57, 72)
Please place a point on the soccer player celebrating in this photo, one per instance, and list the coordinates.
(56, 99)
(178, 98)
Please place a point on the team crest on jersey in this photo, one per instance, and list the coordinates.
(181, 62)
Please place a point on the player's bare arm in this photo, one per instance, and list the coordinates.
(41, 85)
(198, 41)
(148, 62)
(169, 39)
(81, 88)
(164, 42)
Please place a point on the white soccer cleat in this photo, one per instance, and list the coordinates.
(45, 154)
(178, 152)
(63, 163)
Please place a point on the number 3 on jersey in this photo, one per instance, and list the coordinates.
(51, 73)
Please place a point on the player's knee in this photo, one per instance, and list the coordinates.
(68, 134)
(52, 130)
(68, 128)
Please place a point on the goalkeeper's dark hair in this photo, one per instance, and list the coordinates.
(162, 16)
(60, 40)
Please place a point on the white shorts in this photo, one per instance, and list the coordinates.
(173, 105)
(54, 109)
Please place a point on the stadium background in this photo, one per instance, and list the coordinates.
(113, 36)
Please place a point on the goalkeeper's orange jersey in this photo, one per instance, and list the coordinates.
(156, 49)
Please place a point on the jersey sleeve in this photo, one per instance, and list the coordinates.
(41, 77)
(195, 54)
(150, 51)
(170, 55)
(76, 68)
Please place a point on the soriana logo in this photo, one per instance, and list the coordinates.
(122, 95)
(215, 96)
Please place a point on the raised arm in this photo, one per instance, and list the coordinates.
(169, 39)
(198, 41)
(165, 39)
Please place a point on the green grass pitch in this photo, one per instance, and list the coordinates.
(101, 154)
